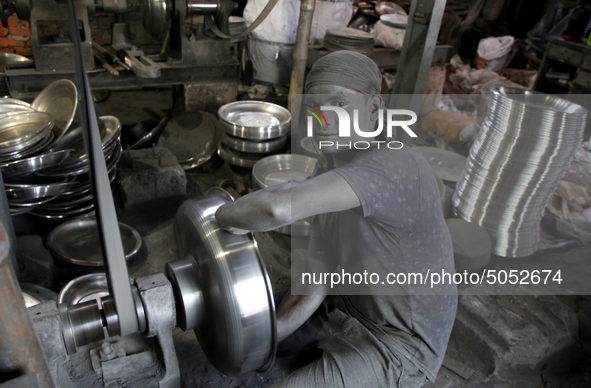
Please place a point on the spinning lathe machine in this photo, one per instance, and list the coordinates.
(196, 46)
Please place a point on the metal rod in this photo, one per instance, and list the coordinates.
(202, 7)
(300, 52)
(109, 55)
(19, 346)
(106, 216)
(105, 65)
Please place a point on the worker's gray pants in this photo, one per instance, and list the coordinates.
(352, 356)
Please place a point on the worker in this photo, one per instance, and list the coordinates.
(377, 210)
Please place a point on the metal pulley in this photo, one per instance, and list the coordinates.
(156, 16)
(85, 323)
(222, 289)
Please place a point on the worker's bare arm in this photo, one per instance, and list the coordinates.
(283, 204)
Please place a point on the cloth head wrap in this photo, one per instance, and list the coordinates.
(348, 69)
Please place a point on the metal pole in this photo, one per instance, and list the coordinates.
(20, 350)
(420, 40)
(300, 52)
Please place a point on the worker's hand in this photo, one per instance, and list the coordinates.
(233, 230)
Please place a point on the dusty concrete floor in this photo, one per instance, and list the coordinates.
(525, 341)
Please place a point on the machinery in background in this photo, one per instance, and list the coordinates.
(197, 47)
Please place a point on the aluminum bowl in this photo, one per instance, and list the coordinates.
(23, 127)
(13, 101)
(77, 242)
(254, 120)
(254, 147)
(83, 212)
(17, 191)
(84, 288)
(238, 158)
(109, 128)
(60, 99)
(277, 169)
(11, 108)
(35, 163)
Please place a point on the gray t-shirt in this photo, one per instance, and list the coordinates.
(399, 228)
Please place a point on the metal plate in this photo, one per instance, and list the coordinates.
(77, 242)
(15, 211)
(11, 108)
(191, 137)
(78, 213)
(30, 203)
(10, 57)
(60, 99)
(446, 164)
(254, 120)
(69, 203)
(109, 128)
(13, 101)
(235, 318)
(350, 39)
(112, 156)
(238, 158)
(35, 191)
(254, 147)
(35, 163)
(19, 127)
(31, 147)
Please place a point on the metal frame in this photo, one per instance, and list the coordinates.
(422, 30)
(26, 83)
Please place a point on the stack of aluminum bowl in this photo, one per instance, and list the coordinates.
(27, 132)
(77, 200)
(55, 183)
(252, 130)
(526, 144)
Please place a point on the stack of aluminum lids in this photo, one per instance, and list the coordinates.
(192, 137)
(55, 185)
(252, 130)
(526, 143)
(349, 39)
